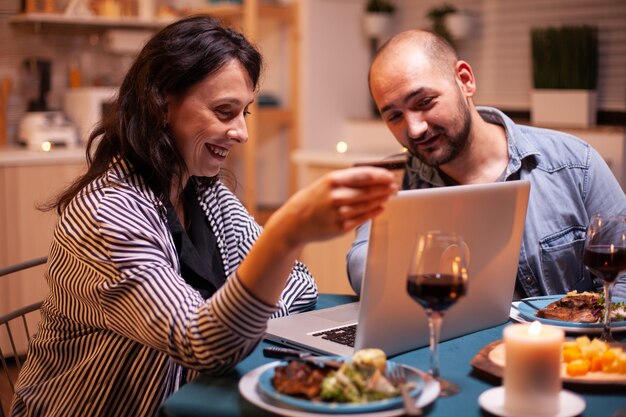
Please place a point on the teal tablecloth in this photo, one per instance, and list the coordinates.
(219, 396)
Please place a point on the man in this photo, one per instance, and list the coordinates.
(424, 94)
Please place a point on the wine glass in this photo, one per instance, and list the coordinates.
(437, 278)
(605, 257)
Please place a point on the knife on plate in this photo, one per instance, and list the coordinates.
(293, 354)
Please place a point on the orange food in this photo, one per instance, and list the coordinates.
(596, 364)
(583, 355)
(578, 367)
(607, 358)
(571, 354)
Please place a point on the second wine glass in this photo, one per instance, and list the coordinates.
(605, 257)
(437, 278)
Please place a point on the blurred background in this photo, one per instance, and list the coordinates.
(62, 60)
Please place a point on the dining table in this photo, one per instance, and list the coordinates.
(210, 395)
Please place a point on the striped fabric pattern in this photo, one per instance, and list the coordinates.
(120, 328)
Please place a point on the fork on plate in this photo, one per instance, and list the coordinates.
(397, 376)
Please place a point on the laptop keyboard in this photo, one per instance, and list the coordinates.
(344, 335)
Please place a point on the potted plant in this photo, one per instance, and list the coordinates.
(565, 75)
(376, 23)
(377, 20)
(437, 16)
(460, 24)
(453, 24)
(380, 6)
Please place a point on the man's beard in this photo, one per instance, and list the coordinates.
(452, 145)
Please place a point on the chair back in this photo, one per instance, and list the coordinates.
(15, 332)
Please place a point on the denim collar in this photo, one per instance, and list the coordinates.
(519, 148)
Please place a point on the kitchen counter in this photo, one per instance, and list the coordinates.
(578, 131)
(13, 155)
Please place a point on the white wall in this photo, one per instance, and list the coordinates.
(335, 60)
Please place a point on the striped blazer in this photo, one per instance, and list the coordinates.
(120, 328)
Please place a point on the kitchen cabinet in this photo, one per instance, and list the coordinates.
(28, 179)
(248, 18)
(26, 232)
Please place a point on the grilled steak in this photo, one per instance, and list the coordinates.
(299, 378)
(578, 308)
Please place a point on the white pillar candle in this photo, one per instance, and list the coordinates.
(532, 371)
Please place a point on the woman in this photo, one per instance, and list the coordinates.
(156, 270)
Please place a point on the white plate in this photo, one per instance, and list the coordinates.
(492, 400)
(248, 388)
(577, 328)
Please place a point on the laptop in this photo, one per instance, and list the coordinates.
(489, 217)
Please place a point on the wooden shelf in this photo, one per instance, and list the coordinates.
(227, 12)
(280, 13)
(224, 11)
(89, 21)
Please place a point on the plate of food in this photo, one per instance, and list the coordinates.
(360, 386)
(585, 361)
(574, 312)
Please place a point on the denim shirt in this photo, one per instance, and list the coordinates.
(570, 182)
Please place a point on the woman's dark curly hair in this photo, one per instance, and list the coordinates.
(133, 128)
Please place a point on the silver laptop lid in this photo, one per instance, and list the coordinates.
(490, 217)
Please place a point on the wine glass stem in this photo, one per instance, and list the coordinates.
(434, 324)
(606, 328)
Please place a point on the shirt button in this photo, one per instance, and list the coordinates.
(529, 280)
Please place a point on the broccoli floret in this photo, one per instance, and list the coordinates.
(332, 389)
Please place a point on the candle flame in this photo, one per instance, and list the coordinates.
(535, 328)
(455, 266)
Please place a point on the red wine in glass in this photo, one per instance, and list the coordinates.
(605, 261)
(436, 279)
(605, 257)
(435, 292)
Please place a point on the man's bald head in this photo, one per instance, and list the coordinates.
(440, 54)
